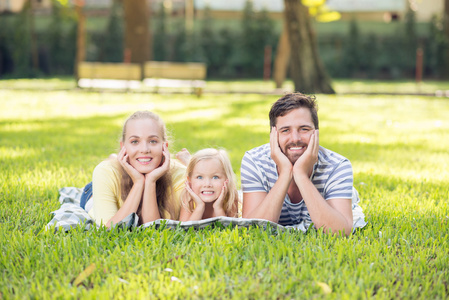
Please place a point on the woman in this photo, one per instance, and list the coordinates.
(140, 179)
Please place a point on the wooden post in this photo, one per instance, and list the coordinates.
(127, 56)
(267, 63)
(419, 65)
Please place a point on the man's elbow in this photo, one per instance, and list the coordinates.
(345, 230)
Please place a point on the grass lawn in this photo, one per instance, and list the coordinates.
(54, 138)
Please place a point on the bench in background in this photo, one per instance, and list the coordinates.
(109, 75)
(156, 74)
(161, 74)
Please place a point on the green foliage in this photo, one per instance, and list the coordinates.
(257, 32)
(6, 40)
(352, 51)
(181, 50)
(231, 49)
(112, 46)
(21, 46)
(436, 51)
(61, 40)
(160, 35)
(375, 55)
(398, 150)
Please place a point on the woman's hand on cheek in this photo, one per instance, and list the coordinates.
(130, 170)
(160, 171)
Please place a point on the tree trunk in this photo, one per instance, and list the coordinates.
(307, 70)
(282, 59)
(137, 31)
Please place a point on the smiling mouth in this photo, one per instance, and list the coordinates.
(295, 148)
(144, 160)
(207, 193)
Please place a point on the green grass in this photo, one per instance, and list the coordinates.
(397, 146)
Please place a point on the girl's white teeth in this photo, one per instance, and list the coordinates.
(144, 159)
(208, 193)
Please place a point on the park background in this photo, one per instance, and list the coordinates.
(391, 126)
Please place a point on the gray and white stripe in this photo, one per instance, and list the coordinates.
(332, 176)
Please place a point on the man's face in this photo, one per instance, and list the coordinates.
(295, 129)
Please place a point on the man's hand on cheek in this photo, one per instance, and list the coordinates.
(304, 164)
(281, 160)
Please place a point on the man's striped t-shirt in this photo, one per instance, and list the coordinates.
(332, 176)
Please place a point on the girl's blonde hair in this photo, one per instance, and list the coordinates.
(231, 188)
(164, 186)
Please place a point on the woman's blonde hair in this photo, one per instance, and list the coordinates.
(231, 195)
(164, 186)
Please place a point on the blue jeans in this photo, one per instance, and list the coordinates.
(87, 194)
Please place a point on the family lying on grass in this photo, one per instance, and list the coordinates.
(288, 181)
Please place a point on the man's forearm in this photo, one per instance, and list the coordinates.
(271, 206)
(322, 214)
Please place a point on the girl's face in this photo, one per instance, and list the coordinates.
(143, 143)
(207, 179)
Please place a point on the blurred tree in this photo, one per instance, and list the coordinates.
(257, 32)
(34, 51)
(112, 47)
(160, 37)
(61, 38)
(80, 35)
(446, 33)
(351, 58)
(307, 70)
(21, 42)
(137, 31)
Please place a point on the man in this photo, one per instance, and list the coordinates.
(292, 179)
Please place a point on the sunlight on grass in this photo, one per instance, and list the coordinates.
(192, 115)
(257, 125)
(10, 152)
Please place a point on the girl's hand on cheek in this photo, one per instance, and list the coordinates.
(195, 197)
(218, 204)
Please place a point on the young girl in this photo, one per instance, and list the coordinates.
(139, 179)
(210, 188)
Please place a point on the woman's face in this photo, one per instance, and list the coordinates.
(143, 143)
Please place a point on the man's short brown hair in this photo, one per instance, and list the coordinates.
(290, 102)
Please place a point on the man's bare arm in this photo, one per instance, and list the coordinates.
(333, 215)
(268, 206)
